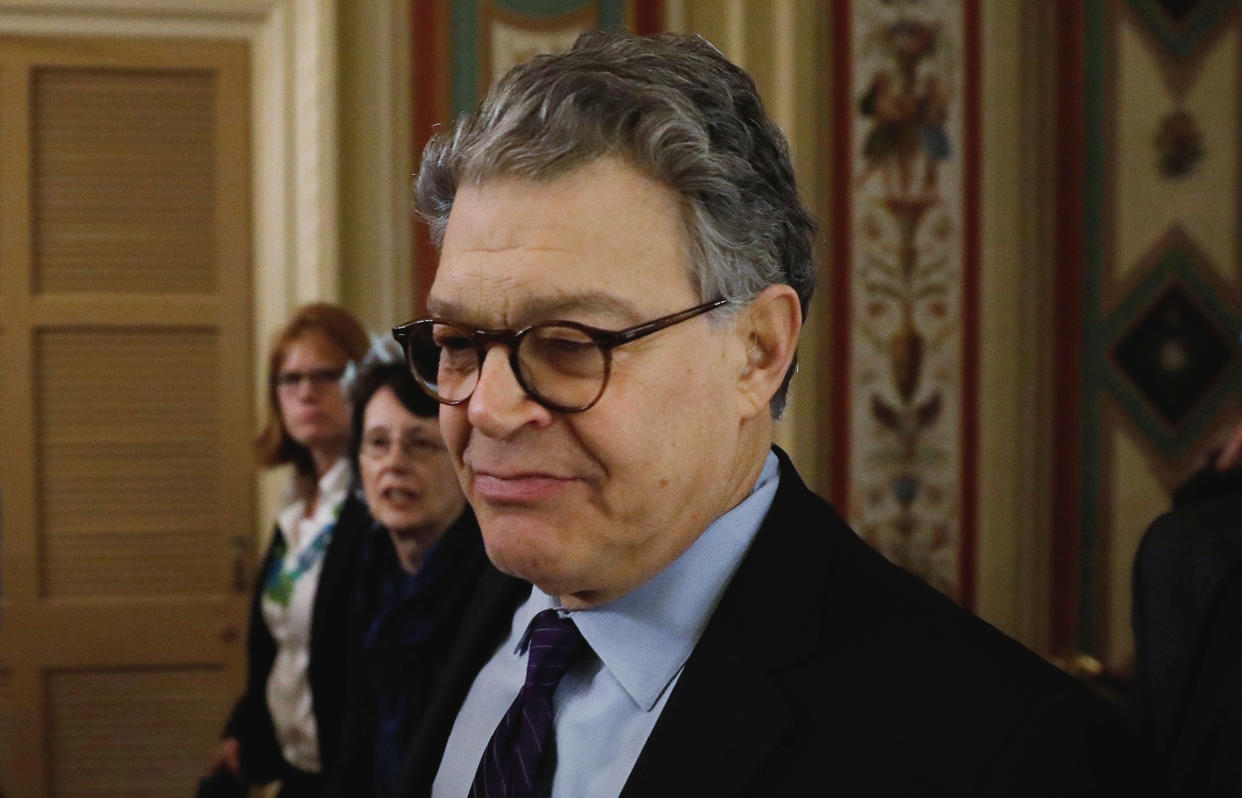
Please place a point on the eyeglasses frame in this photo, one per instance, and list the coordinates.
(483, 340)
(331, 376)
(409, 454)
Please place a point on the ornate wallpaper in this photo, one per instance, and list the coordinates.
(906, 279)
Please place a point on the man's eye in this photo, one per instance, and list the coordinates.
(451, 339)
(568, 346)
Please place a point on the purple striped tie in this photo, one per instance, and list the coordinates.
(511, 760)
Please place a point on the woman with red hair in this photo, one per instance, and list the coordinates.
(287, 724)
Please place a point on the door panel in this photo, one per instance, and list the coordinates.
(131, 733)
(125, 412)
(128, 500)
(123, 169)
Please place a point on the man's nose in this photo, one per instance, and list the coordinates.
(499, 406)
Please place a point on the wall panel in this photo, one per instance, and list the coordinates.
(1150, 367)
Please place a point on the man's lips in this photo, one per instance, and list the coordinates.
(517, 488)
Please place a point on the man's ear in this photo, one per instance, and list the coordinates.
(769, 327)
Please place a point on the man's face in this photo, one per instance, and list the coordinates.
(590, 505)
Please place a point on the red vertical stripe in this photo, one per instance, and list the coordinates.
(972, 104)
(648, 17)
(841, 266)
(1068, 344)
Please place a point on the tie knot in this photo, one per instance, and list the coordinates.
(554, 644)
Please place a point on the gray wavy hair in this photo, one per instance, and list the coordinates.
(675, 108)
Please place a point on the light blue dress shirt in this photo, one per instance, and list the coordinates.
(605, 710)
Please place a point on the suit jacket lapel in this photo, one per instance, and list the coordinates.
(721, 721)
(726, 712)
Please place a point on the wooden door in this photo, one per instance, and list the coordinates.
(125, 410)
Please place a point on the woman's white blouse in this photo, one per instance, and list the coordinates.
(288, 684)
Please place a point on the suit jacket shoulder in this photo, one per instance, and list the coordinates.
(825, 666)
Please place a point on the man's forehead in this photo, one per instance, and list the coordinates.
(604, 241)
(524, 305)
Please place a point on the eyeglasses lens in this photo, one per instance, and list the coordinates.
(318, 379)
(444, 360)
(563, 365)
(560, 365)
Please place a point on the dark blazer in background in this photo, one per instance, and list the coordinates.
(1188, 645)
(404, 660)
(1208, 484)
(825, 670)
(251, 722)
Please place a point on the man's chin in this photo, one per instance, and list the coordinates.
(528, 561)
(519, 562)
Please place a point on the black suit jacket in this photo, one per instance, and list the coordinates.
(251, 722)
(827, 670)
(1188, 645)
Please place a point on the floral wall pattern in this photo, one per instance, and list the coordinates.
(909, 288)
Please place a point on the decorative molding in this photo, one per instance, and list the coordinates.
(248, 10)
(508, 38)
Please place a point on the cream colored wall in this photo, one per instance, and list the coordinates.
(376, 161)
(1016, 320)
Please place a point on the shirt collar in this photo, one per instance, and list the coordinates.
(336, 479)
(332, 489)
(645, 637)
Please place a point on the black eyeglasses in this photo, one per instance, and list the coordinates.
(318, 379)
(376, 445)
(562, 365)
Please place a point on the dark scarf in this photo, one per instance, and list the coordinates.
(407, 619)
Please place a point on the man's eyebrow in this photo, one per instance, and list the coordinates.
(551, 308)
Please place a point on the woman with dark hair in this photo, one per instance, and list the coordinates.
(287, 724)
(418, 567)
